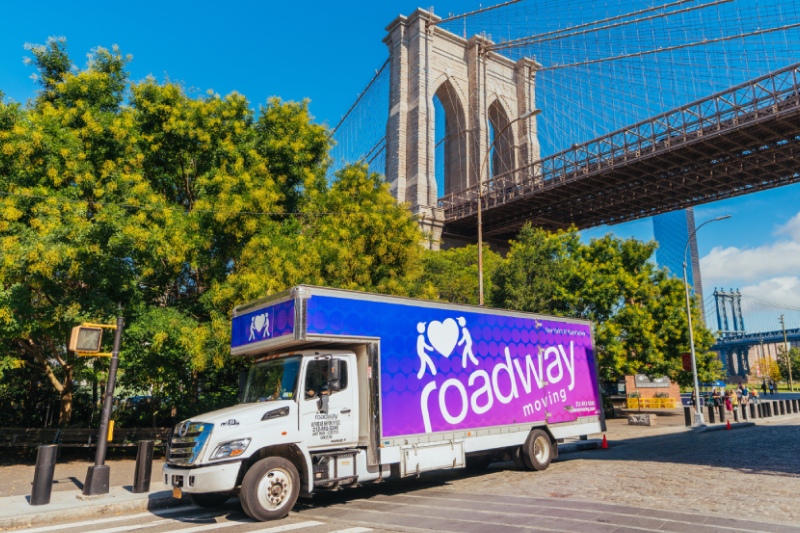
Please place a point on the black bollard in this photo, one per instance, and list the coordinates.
(687, 415)
(722, 412)
(794, 406)
(768, 409)
(710, 413)
(782, 405)
(744, 413)
(144, 467)
(43, 475)
(752, 410)
(735, 414)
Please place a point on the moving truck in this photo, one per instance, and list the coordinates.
(349, 387)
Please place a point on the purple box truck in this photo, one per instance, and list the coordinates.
(348, 387)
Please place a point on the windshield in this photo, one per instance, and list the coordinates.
(272, 380)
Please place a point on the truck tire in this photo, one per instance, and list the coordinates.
(519, 461)
(270, 489)
(210, 499)
(537, 452)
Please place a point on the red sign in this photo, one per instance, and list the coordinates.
(687, 361)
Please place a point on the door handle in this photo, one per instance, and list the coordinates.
(345, 411)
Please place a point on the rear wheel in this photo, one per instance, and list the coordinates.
(270, 488)
(519, 461)
(537, 452)
(209, 499)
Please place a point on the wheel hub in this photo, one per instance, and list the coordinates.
(277, 487)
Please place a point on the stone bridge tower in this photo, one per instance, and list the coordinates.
(482, 93)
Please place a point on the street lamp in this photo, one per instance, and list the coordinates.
(529, 114)
(698, 420)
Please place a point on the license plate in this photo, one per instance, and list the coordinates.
(176, 492)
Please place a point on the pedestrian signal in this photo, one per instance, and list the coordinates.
(86, 339)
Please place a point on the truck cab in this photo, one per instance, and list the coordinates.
(298, 409)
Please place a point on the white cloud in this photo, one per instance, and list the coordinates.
(791, 228)
(783, 290)
(723, 265)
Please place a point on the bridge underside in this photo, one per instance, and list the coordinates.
(687, 168)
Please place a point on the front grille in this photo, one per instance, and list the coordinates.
(184, 450)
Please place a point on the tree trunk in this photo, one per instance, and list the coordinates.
(65, 414)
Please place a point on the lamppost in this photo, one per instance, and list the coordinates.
(698, 420)
(497, 136)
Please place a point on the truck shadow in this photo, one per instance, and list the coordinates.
(759, 449)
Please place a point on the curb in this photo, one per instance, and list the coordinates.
(62, 507)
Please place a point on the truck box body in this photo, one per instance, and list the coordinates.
(469, 368)
(409, 386)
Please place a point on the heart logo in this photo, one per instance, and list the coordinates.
(443, 336)
(260, 321)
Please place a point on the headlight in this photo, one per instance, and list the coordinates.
(232, 448)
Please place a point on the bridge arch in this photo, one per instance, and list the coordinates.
(501, 141)
(428, 63)
(452, 147)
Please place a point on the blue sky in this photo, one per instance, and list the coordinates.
(327, 52)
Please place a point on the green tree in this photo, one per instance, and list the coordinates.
(177, 208)
(68, 242)
(793, 362)
(452, 275)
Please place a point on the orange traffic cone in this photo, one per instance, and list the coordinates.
(605, 443)
(729, 425)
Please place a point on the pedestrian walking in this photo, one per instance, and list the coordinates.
(754, 396)
(728, 401)
(715, 397)
(745, 395)
(764, 387)
(771, 388)
(739, 393)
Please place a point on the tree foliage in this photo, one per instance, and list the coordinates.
(175, 208)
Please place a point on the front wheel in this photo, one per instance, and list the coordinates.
(537, 452)
(270, 488)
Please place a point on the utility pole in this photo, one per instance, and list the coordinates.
(788, 355)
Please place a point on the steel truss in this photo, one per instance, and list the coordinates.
(738, 141)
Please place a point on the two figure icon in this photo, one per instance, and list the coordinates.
(443, 337)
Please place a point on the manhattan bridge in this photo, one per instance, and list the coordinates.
(585, 113)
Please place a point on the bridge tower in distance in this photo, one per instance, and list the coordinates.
(482, 94)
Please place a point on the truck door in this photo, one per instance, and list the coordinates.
(329, 414)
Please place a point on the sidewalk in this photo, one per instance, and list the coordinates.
(70, 473)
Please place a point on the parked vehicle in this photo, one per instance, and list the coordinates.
(349, 387)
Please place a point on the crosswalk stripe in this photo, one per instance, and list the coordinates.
(163, 512)
(288, 527)
(353, 530)
(130, 528)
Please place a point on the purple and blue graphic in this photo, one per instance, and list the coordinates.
(263, 324)
(451, 370)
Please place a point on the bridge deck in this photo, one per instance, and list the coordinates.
(738, 141)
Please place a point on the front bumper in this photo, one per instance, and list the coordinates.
(212, 478)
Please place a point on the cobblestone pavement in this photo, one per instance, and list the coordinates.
(751, 473)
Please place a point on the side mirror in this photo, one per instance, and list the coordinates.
(335, 375)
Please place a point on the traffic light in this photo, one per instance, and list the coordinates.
(86, 339)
